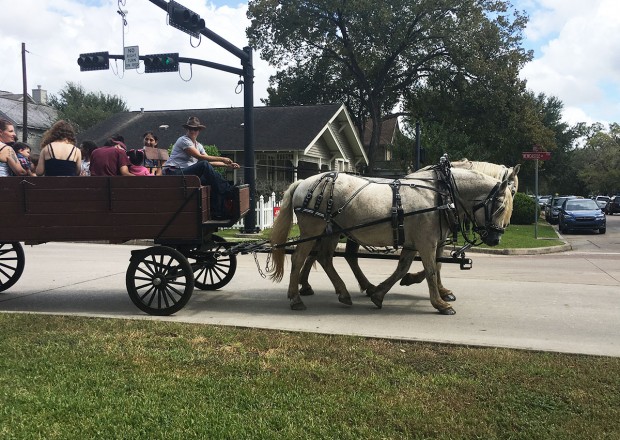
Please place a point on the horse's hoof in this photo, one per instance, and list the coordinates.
(306, 291)
(345, 299)
(298, 305)
(371, 290)
(449, 297)
(377, 301)
(448, 311)
(412, 278)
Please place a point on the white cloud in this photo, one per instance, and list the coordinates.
(579, 59)
(56, 33)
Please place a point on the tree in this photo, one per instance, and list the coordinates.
(599, 160)
(372, 54)
(85, 109)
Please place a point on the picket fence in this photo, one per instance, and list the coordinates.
(266, 212)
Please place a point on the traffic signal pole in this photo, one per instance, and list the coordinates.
(247, 73)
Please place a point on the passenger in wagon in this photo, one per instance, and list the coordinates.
(59, 154)
(9, 164)
(150, 141)
(137, 168)
(110, 160)
(23, 150)
(87, 148)
(189, 157)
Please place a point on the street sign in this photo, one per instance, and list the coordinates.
(132, 59)
(536, 155)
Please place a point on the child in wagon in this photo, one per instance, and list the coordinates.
(23, 150)
(137, 168)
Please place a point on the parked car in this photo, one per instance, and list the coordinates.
(552, 210)
(543, 201)
(602, 204)
(605, 198)
(613, 206)
(583, 214)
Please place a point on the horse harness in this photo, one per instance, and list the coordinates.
(327, 182)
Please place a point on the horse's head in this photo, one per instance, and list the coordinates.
(492, 214)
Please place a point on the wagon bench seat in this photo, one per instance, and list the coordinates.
(164, 208)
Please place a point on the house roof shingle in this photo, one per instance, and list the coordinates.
(40, 117)
(275, 128)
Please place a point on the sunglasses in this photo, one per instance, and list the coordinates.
(193, 129)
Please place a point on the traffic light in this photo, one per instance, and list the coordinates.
(184, 19)
(94, 61)
(161, 62)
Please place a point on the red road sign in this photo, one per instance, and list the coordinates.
(536, 155)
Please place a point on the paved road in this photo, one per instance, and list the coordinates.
(567, 302)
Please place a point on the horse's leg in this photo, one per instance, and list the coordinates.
(418, 277)
(446, 294)
(378, 293)
(306, 288)
(350, 255)
(413, 278)
(300, 255)
(429, 260)
(326, 259)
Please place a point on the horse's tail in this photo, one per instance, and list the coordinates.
(281, 227)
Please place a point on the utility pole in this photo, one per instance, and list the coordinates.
(25, 97)
(247, 73)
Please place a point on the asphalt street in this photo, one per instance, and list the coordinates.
(564, 302)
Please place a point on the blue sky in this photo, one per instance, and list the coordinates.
(577, 53)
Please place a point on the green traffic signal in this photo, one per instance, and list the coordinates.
(163, 62)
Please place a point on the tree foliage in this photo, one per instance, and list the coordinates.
(524, 210)
(599, 160)
(374, 55)
(85, 109)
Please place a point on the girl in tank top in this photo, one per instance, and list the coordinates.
(59, 155)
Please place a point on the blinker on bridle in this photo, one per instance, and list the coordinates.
(487, 204)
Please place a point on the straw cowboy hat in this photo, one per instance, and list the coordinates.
(193, 122)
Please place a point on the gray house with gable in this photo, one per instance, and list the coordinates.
(40, 115)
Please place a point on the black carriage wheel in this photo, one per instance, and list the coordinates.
(159, 280)
(12, 262)
(214, 271)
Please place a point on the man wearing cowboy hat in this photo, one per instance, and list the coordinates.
(189, 157)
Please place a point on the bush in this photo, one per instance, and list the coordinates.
(523, 210)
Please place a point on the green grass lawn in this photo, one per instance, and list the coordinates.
(515, 237)
(86, 378)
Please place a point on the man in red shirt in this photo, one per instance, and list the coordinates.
(110, 160)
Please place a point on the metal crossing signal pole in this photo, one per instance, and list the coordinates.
(190, 22)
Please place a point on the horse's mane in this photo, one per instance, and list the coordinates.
(488, 168)
(500, 172)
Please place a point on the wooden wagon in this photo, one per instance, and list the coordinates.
(173, 211)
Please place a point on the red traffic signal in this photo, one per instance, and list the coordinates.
(94, 61)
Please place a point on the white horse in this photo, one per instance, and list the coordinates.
(363, 207)
(325, 248)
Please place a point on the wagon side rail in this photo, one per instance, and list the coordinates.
(115, 209)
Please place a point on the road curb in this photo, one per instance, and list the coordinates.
(475, 250)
